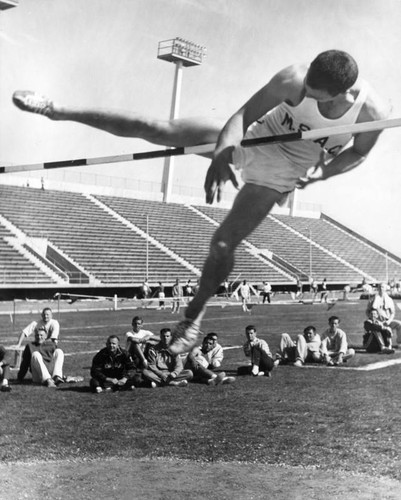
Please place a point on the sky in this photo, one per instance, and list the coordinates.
(103, 53)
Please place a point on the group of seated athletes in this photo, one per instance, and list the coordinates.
(147, 362)
(144, 362)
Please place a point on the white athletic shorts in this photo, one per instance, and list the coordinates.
(267, 166)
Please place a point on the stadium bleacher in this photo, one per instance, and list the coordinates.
(14, 267)
(116, 240)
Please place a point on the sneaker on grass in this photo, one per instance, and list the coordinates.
(387, 350)
(58, 380)
(228, 380)
(71, 379)
(179, 383)
(50, 383)
(298, 363)
(217, 379)
(33, 103)
(5, 388)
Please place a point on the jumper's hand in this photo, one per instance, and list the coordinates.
(218, 174)
(314, 173)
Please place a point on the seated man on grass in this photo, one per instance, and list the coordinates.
(334, 347)
(200, 361)
(213, 351)
(112, 368)
(165, 368)
(50, 325)
(306, 349)
(138, 342)
(380, 323)
(4, 371)
(44, 359)
(262, 362)
(377, 336)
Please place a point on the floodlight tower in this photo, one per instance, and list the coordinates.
(183, 54)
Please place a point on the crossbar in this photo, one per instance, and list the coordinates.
(355, 128)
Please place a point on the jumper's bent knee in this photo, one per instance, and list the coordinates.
(219, 249)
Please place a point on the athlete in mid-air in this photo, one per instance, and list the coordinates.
(325, 93)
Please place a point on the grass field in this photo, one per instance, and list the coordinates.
(331, 419)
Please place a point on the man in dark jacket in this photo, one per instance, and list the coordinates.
(112, 368)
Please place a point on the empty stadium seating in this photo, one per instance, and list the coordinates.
(16, 269)
(105, 238)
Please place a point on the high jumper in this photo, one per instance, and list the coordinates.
(324, 94)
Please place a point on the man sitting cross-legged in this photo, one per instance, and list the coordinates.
(214, 354)
(138, 342)
(201, 362)
(258, 350)
(334, 345)
(306, 349)
(112, 368)
(44, 359)
(165, 368)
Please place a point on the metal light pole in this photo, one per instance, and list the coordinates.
(310, 253)
(387, 277)
(147, 247)
(182, 53)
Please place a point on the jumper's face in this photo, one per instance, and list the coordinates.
(319, 95)
(112, 345)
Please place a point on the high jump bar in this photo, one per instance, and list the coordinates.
(311, 135)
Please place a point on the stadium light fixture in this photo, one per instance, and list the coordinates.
(182, 53)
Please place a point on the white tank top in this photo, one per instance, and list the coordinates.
(285, 162)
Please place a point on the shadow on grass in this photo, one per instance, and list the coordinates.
(75, 388)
